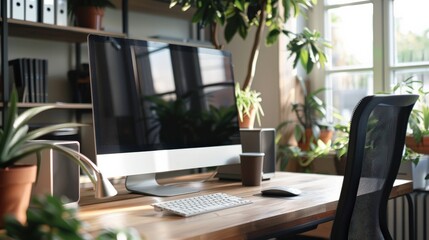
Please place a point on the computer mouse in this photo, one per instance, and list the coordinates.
(281, 191)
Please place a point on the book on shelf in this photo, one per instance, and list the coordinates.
(30, 78)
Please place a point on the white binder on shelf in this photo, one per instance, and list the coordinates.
(31, 12)
(48, 11)
(17, 9)
(61, 12)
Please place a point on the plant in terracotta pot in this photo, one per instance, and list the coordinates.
(287, 152)
(311, 130)
(88, 13)
(249, 106)
(240, 17)
(17, 142)
(311, 123)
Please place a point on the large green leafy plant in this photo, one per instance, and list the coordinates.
(240, 16)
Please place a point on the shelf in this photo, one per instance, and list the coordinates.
(36, 30)
(75, 106)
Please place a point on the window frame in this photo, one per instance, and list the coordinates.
(384, 65)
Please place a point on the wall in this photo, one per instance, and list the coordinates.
(267, 77)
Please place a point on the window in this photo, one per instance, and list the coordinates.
(410, 55)
(375, 44)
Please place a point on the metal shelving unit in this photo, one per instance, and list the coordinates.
(37, 30)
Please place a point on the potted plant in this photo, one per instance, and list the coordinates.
(48, 218)
(249, 106)
(15, 144)
(239, 17)
(311, 124)
(304, 158)
(311, 130)
(417, 141)
(340, 146)
(88, 13)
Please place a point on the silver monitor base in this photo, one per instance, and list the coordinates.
(147, 184)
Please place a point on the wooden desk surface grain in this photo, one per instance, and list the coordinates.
(264, 215)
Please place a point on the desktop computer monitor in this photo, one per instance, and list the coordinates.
(160, 107)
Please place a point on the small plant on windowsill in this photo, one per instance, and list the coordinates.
(417, 141)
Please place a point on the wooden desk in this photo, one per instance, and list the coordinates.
(264, 216)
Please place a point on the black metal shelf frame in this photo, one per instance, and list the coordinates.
(5, 54)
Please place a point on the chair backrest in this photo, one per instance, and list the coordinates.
(376, 142)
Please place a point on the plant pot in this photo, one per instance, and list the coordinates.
(416, 172)
(325, 136)
(15, 191)
(340, 164)
(422, 148)
(89, 17)
(248, 121)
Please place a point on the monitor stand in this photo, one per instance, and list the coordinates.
(147, 184)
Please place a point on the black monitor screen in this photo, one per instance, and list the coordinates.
(151, 95)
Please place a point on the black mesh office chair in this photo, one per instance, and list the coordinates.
(376, 142)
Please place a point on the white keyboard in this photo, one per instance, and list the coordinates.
(187, 207)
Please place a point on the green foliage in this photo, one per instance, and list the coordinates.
(246, 100)
(49, 219)
(311, 114)
(240, 16)
(307, 47)
(304, 158)
(15, 137)
(341, 140)
(419, 118)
